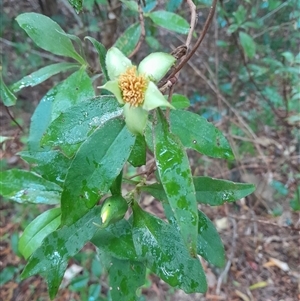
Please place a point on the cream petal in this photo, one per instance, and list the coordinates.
(154, 98)
(116, 63)
(113, 87)
(156, 65)
(135, 118)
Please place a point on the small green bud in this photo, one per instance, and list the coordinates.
(113, 210)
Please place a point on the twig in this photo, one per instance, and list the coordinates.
(192, 23)
(197, 44)
(13, 119)
(149, 170)
(180, 53)
(143, 32)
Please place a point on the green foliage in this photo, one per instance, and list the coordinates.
(48, 35)
(129, 39)
(170, 21)
(78, 146)
(7, 96)
(37, 230)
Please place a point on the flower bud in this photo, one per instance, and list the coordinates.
(113, 210)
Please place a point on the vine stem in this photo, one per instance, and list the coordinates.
(196, 46)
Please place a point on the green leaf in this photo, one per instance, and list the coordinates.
(176, 177)
(51, 165)
(153, 43)
(161, 245)
(197, 133)
(47, 34)
(129, 39)
(77, 5)
(170, 21)
(76, 88)
(210, 191)
(37, 230)
(125, 277)
(23, 186)
(149, 136)
(132, 5)
(173, 5)
(80, 121)
(94, 292)
(97, 163)
(7, 274)
(41, 75)
(240, 14)
(117, 241)
(51, 258)
(150, 5)
(8, 98)
(102, 55)
(116, 187)
(180, 101)
(215, 192)
(248, 44)
(138, 154)
(209, 244)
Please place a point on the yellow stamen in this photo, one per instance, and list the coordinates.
(133, 87)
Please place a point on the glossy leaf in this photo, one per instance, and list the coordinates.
(97, 163)
(46, 34)
(116, 240)
(209, 244)
(180, 101)
(37, 230)
(176, 177)
(210, 191)
(102, 55)
(125, 277)
(79, 121)
(215, 192)
(76, 88)
(149, 137)
(197, 133)
(170, 21)
(23, 186)
(129, 39)
(138, 154)
(248, 44)
(116, 187)
(51, 165)
(6, 95)
(161, 245)
(51, 258)
(41, 75)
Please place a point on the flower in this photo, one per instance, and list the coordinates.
(135, 87)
